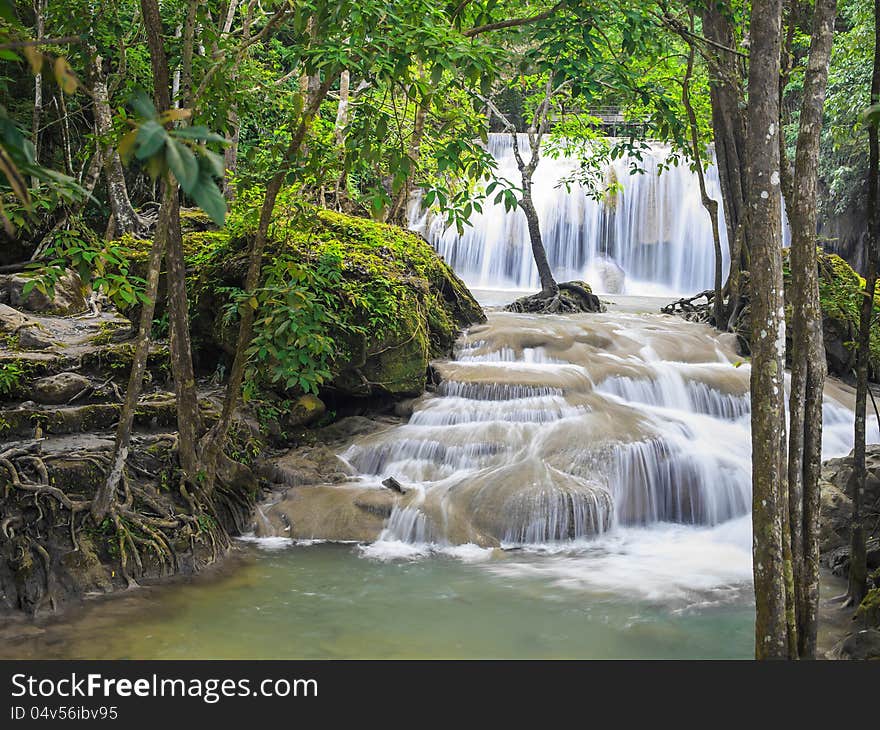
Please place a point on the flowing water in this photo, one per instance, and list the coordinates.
(577, 487)
(650, 236)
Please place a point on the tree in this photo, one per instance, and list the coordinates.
(807, 353)
(769, 503)
(858, 570)
(536, 131)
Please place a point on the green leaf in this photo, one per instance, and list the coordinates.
(143, 105)
(183, 164)
(199, 133)
(209, 198)
(150, 138)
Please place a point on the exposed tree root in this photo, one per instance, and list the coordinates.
(571, 297)
(140, 531)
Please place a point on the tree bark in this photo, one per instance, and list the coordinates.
(106, 494)
(710, 204)
(188, 420)
(768, 333)
(40, 7)
(858, 569)
(729, 131)
(342, 109)
(808, 364)
(126, 219)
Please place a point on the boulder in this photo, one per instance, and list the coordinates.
(398, 306)
(66, 298)
(343, 513)
(60, 388)
(305, 410)
(21, 331)
(860, 646)
(305, 465)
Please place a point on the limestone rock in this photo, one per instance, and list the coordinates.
(67, 297)
(860, 646)
(25, 331)
(306, 465)
(60, 388)
(342, 513)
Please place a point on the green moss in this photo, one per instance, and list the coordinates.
(372, 302)
(840, 296)
(869, 609)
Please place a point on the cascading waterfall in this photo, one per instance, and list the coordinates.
(558, 429)
(652, 235)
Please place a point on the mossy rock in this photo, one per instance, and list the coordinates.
(840, 296)
(389, 303)
(869, 609)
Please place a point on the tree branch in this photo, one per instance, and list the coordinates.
(513, 23)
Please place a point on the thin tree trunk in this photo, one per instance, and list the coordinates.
(808, 365)
(858, 569)
(125, 217)
(216, 437)
(729, 132)
(710, 204)
(40, 8)
(549, 287)
(106, 494)
(342, 109)
(768, 334)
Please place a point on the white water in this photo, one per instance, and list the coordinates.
(652, 237)
(616, 444)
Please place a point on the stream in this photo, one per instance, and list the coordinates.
(577, 487)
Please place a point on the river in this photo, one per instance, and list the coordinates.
(578, 487)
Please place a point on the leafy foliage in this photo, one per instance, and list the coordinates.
(180, 150)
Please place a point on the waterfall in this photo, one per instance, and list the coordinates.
(651, 236)
(557, 429)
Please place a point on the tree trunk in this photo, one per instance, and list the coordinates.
(808, 365)
(188, 420)
(858, 569)
(189, 423)
(106, 494)
(729, 132)
(126, 219)
(768, 334)
(549, 287)
(342, 109)
(709, 204)
(40, 7)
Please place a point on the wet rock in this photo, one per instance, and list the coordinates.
(573, 297)
(346, 429)
(836, 510)
(344, 513)
(405, 408)
(66, 298)
(394, 485)
(860, 646)
(60, 388)
(305, 465)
